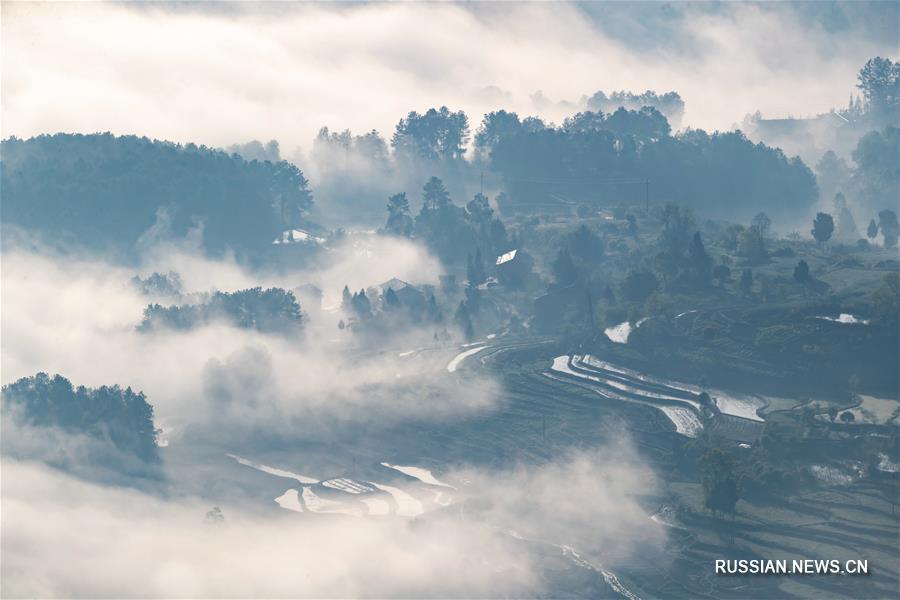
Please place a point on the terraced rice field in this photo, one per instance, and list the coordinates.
(553, 401)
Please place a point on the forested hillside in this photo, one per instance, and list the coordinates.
(268, 310)
(603, 158)
(122, 417)
(105, 192)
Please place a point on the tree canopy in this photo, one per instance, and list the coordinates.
(876, 180)
(670, 104)
(598, 157)
(889, 227)
(720, 489)
(273, 310)
(452, 231)
(399, 222)
(823, 227)
(121, 416)
(879, 81)
(435, 134)
(106, 192)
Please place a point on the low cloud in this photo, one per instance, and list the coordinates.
(65, 537)
(77, 317)
(231, 74)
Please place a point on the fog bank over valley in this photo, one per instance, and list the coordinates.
(448, 300)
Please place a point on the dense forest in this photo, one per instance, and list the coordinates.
(118, 192)
(108, 413)
(100, 190)
(271, 310)
(600, 158)
(108, 192)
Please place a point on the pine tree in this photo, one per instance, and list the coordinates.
(846, 225)
(889, 227)
(720, 490)
(699, 262)
(361, 305)
(823, 227)
(872, 230)
(399, 222)
(435, 195)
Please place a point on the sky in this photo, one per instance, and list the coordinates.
(219, 74)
